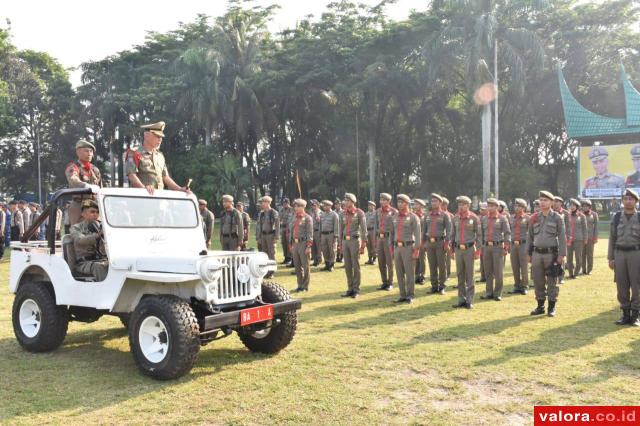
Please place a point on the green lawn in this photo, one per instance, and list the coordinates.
(362, 361)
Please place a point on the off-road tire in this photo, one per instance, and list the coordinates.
(54, 319)
(281, 334)
(183, 336)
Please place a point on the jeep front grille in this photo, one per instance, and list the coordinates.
(230, 289)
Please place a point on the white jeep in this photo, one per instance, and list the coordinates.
(171, 293)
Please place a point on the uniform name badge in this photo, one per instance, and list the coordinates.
(348, 237)
(433, 240)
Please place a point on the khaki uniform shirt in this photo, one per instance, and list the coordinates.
(547, 232)
(231, 224)
(330, 222)
(268, 221)
(149, 166)
(406, 228)
(301, 229)
(626, 234)
(466, 230)
(500, 229)
(85, 242)
(353, 224)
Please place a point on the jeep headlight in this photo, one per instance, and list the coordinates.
(260, 264)
(211, 270)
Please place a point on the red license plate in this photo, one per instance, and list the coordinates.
(254, 315)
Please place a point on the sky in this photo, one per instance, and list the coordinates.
(75, 31)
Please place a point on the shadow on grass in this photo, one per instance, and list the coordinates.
(86, 374)
(558, 339)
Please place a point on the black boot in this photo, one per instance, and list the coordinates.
(625, 318)
(540, 309)
(551, 312)
(330, 267)
(634, 320)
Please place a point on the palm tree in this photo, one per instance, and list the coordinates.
(476, 33)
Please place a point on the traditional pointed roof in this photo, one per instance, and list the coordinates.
(582, 123)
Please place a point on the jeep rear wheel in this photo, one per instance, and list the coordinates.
(164, 337)
(283, 327)
(38, 323)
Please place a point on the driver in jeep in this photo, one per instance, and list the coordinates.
(89, 244)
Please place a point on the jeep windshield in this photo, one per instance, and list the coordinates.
(150, 212)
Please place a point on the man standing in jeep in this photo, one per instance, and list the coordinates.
(81, 173)
(146, 166)
(89, 244)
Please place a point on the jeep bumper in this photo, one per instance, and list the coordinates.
(232, 318)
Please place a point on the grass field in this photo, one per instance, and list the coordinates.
(363, 361)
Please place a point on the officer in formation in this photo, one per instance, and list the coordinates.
(465, 236)
(80, 173)
(436, 237)
(592, 236)
(496, 241)
(329, 234)
(370, 216)
(88, 243)
(208, 220)
(338, 206)
(481, 213)
(231, 226)
(353, 231)
(286, 214)
(146, 166)
(316, 250)
(406, 237)
(624, 257)
(23, 206)
(34, 208)
(246, 222)
(575, 223)
(519, 223)
(300, 243)
(17, 221)
(558, 207)
(384, 248)
(547, 248)
(267, 229)
(418, 210)
(445, 209)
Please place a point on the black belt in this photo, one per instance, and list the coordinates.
(403, 243)
(383, 234)
(352, 237)
(464, 246)
(369, 229)
(493, 243)
(230, 235)
(434, 239)
(268, 232)
(628, 248)
(300, 240)
(518, 242)
(327, 232)
(545, 250)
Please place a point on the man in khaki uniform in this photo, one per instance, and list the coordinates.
(436, 236)
(624, 258)
(599, 157)
(338, 207)
(384, 247)
(575, 223)
(547, 248)
(405, 235)
(81, 173)
(88, 243)
(370, 216)
(23, 206)
(558, 207)
(316, 250)
(301, 241)
(353, 231)
(519, 261)
(445, 209)
(246, 222)
(496, 240)
(34, 208)
(207, 221)
(421, 263)
(267, 229)
(231, 228)
(329, 234)
(17, 222)
(482, 213)
(146, 167)
(465, 236)
(592, 236)
(286, 214)
(3, 225)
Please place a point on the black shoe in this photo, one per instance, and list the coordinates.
(442, 290)
(355, 295)
(297, 290)
(497, 299)
(389, 287)
(433, 290)
(383, 287)
(347, 294)
(561, 281)
(314, 264)
(514, 291)
(551, 312)
(469, 306)
(486, 296)
(625, 318)
(460, 305)
(330, 268)
(634, 318)
(540, 309)
(409, 300)
(400, 300)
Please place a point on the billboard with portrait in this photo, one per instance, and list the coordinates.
(605, 171)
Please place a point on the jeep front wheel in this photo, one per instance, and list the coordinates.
(164, 337)
(38, 323)
(283, 327)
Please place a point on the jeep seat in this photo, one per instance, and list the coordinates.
(69, 253)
